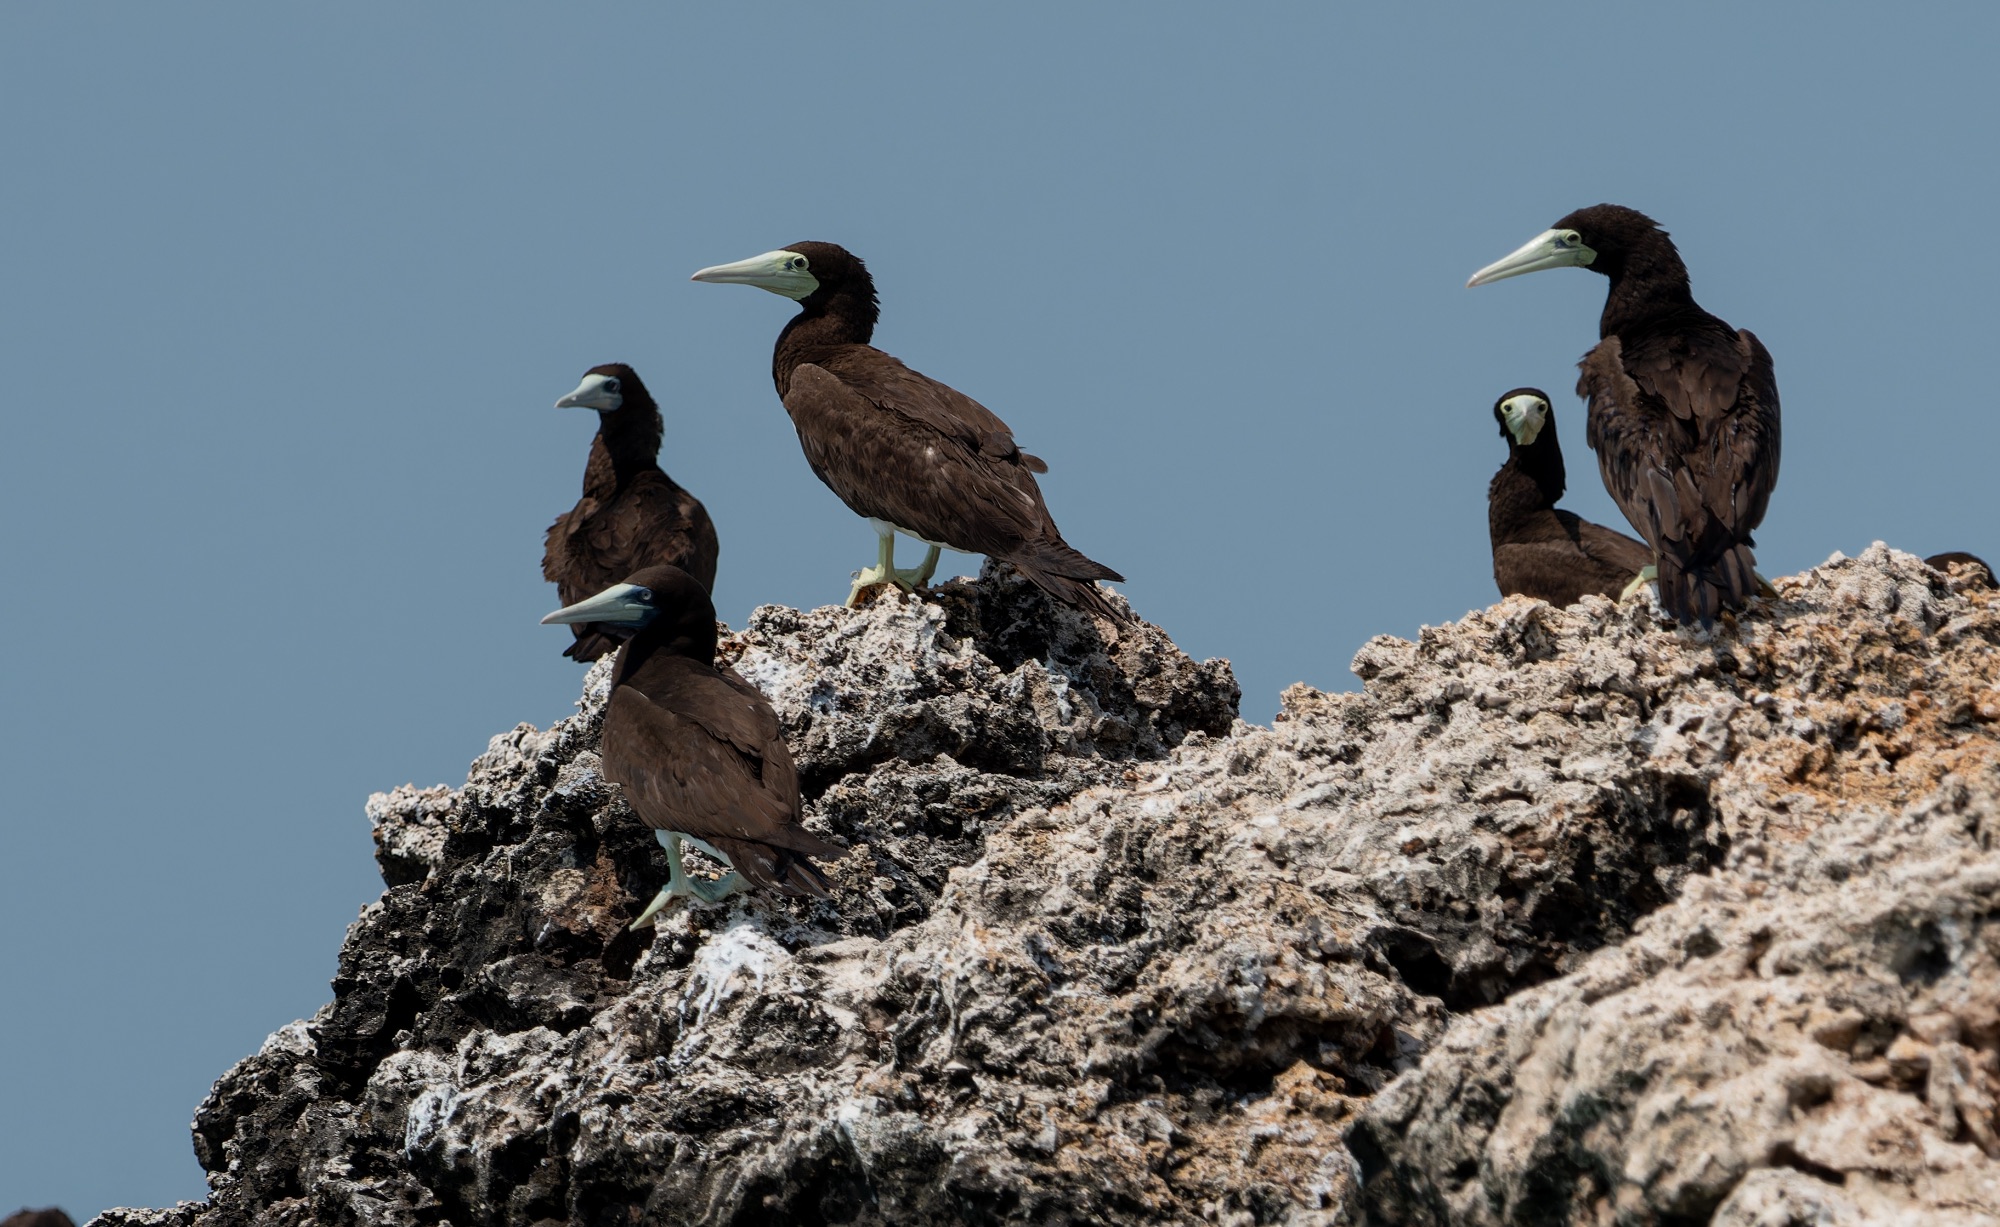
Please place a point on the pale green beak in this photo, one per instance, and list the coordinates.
(1524, 416)
(781, 272)
(593, 393)
(1549, 249)
(618, 605)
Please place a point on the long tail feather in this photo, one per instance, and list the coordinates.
(1695, 593)
(788, 871)
(1065, 574)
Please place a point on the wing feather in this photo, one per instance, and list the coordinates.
(907, 450)
(1558, 556)
(925, 472)
(700, 755)
(887, 383)
(1685, 427)
(651, 522)
(1612, 549)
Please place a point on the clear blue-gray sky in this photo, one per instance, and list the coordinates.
(286, 294)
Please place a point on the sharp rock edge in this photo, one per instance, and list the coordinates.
(1568, 917)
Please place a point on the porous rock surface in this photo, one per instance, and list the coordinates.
(1567, 917)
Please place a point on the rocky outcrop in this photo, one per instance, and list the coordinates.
(1809, 1035)
(1568, 917)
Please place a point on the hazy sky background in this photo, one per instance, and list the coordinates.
(286, 294)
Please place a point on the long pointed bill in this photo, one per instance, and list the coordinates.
(619, 605)
(593, 393)
(1549, 249)
(781, 272)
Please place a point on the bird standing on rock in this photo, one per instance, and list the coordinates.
(631, 515)
(1540, 550)
(1683, 408)
(907, 452)
(697, 749)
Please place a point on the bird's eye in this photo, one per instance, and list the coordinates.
(610, 385)
(797, 264)
(643, 594)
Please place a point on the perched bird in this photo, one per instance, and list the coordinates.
(697, 749)
(907, 452)
(1538, 549)
(1980, 571)
(631, 515)
(1683, 408)
(51, 1217)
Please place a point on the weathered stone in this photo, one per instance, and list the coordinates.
(1805, 1035)
(1568, 917)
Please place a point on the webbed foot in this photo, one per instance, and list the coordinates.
(885, 571)
(869, 577)
(683, 885)
(1646, 575)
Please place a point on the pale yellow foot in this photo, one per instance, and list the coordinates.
(1646, 575)
(885, 571)
(683, 885)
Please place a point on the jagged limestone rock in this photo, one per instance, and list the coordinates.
(1808, 1035)
(1569, 916)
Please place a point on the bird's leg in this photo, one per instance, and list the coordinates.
(1764, 588)
(884, 571)
(1646, 575)
(724, 886)
(681, 884)
(921, 577)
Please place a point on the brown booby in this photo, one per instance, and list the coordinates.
(631, 515)
(697, 749)
(903, 450)
(1977, 565)
(1683, 408)
(1540, 550)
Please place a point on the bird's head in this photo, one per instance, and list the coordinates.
(801, 271)
(1523, 414)
(606, 388)
(1599, 238)
(663, 595)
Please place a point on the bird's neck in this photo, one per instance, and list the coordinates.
(1648, 284)
(627, 444)
(689, 638)
(1531, 480)
(839, 319)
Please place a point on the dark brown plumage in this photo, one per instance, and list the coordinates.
(905, 450)
(1980, 571)
(1540, 550)
(51, 1217)
(1683, 416)
(1683, 409)
(631, 515)
(698, 749)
